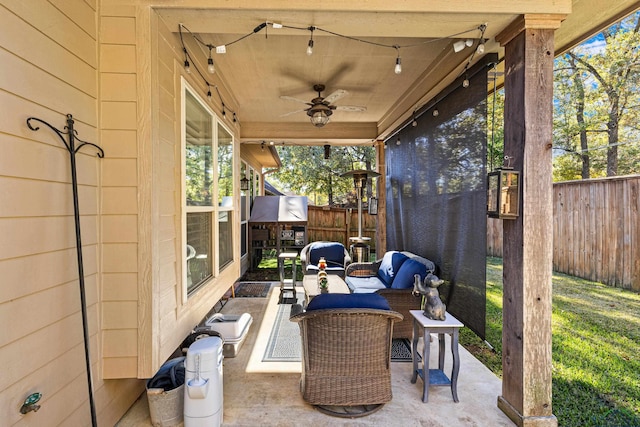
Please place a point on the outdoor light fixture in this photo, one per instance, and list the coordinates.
(319, 115)
(458, 46)
(310, 44)
(327, 151)
(244, 183)
(373, 206)
(210, 67)
(503, 193)
(398, 68)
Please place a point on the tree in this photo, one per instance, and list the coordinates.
(597, 100)
(305, 171)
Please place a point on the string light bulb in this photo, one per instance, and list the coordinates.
(480, 48)
(398, 67)
(209, 94)
(187, 67)
(436, 113)
(210, 67)
(398, 141)
(465, 82)
(310, 44)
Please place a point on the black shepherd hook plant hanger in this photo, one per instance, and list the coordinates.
(72, 149)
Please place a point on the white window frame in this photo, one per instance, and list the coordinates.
(215, 207)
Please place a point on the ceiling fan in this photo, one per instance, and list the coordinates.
(321, 108)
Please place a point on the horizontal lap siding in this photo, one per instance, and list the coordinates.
(596, 230)
(118, 118)
(49, 59)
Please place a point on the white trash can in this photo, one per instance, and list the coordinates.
(203, 383)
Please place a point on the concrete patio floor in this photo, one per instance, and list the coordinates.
(268, 394)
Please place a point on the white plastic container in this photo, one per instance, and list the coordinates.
(233, 328)
(203, 383)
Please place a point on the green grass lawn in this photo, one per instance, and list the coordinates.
(596, 349)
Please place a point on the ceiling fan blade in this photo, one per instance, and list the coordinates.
(291, 98)
(354, 108)
(293, 112)
(335, 96)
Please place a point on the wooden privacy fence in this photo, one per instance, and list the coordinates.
(596, 230)
(338, 224)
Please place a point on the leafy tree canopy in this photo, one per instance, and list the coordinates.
(305, 171)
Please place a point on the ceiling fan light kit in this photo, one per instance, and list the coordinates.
(319, 116)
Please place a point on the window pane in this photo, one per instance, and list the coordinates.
(243, 241)
(225, 167)
(198, 153)
(244, 195)
(226, 237)
(199, 256)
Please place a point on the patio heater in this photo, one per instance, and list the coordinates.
(360, 247)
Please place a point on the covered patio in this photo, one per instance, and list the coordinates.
(136, 78)
(268, 393)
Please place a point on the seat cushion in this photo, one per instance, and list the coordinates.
(390, 265)
(373, 283)
(333, 253)
(326, 301)
(405, 277)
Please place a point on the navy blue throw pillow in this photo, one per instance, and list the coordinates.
(404, 279)
(324, 301)
(332, 252)
(390, 265)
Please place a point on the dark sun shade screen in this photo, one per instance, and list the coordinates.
(436, 195)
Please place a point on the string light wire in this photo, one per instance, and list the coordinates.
(188, 61)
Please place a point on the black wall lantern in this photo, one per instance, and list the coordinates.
(244, 183)
(373, 206)
(503, 193)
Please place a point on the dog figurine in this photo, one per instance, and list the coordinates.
(434, 308)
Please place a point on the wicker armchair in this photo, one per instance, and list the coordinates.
(346, 357)
(335, 253)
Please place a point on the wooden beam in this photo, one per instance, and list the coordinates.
(377, 6)
(306, 131)
(528, 240)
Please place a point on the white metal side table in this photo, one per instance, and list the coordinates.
(435, 377)
(287, 284)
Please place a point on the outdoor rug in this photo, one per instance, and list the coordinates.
(284, 341)
(252, 289)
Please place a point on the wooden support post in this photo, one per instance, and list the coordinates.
(528, 240)
(381, 220)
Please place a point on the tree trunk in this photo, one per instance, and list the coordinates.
(584, 153)
(612, 130)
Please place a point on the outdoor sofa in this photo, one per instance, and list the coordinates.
(392, 276)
